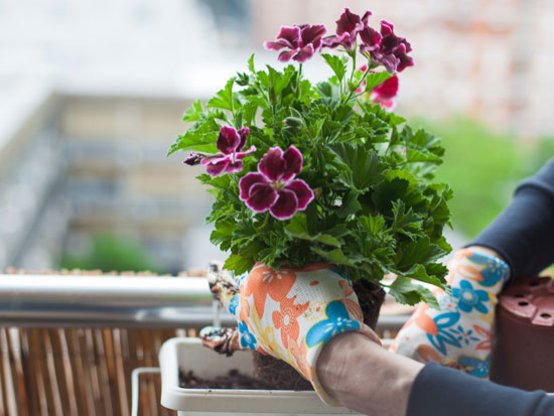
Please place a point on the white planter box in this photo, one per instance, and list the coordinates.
(188, 354)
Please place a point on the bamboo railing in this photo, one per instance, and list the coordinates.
(69, 345)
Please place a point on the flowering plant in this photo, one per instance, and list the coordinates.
(305, 173)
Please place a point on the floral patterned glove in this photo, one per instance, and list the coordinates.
(459, 333)
(289, 314)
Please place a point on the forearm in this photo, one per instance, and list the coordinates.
(523, 233)
(364, 377)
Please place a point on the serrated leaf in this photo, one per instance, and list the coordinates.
(298, 228)
(194, 112)
(405, 221)
(405, 291)
(337, 65)
(364, 167)
(238, 264)
(374, 79)
(335, 256)
(223, 99)
(200, 138)
(418, 252)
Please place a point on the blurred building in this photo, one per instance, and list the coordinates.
(92, 92)
(82, 165)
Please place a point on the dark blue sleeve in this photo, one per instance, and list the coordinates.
(439, 391)
(523, 234)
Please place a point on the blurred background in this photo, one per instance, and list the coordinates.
(92, 93)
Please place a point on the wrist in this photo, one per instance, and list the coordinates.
(486, 251)
(363, 376)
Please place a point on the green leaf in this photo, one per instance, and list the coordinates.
(223, 231)
(223, 98)
(335, 256)
(374, 79)
(251, 64)
(419, 251)
(194, 112)
(405, 221)
(405, 291)
(337, 64)
(350, 205)
(200, 138)
(364, 167)
(238, 264)
(298, 228)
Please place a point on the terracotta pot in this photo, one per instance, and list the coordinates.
(522, 351)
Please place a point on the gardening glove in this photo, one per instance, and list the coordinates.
(289, 314)
(459, 334)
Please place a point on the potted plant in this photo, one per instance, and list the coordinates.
(305, 173)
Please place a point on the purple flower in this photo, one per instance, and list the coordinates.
(393, 50)
(348, 27)
(370, 39)
(297, 42)
(385, 93)
(230, 142)
(274, 186)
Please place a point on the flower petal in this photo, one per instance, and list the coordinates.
(216, 166)
(349, 22)
(334, 40)
(234, 167)
(243, 133)
(247, 181)
(405, 61)
(371, 39)
(242, 155)
(385, 92)
(304, 54)
(285, 206)
(275, 46)
(261, 197)
(303, 192)
(272, 164)
(290, 35)
(228, 140)
(311, 34)
(285, 56)
(293, 163)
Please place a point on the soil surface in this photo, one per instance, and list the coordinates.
(233, 380)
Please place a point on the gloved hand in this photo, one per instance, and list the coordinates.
(289, 314)
(459, 334)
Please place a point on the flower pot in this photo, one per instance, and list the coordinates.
(522, 352)
(188, 354)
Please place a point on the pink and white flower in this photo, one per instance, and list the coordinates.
(274, 187)
(230, 143)
(298, 42)
(348, 27)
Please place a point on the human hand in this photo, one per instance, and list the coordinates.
(289, 314)
(459, 333)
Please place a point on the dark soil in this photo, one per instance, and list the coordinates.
(233, 380)
(279, 374)
(371, 297)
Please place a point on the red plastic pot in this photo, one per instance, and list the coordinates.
(523, 352)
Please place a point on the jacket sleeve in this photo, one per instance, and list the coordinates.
(439, 391)
(523, 234)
